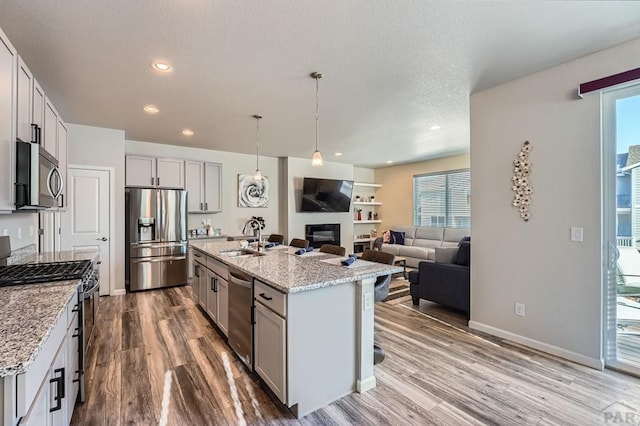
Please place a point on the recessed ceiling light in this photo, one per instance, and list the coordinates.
(435, 127)
(389, 161)
(187, 132)
(151, 109)
(161, 66)
(338, 154)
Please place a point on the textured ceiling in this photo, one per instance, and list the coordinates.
(392, 68)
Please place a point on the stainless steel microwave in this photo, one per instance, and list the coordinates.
(39, 182)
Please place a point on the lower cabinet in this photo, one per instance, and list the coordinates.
(211, 289)
(270, 353)
(56, 397)
(223, 305)
(212, 295)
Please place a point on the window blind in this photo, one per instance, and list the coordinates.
(442, 199)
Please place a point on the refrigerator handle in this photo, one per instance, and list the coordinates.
(160, 216)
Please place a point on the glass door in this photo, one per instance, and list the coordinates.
(621, 227)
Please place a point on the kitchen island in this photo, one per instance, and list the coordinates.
(312, 319)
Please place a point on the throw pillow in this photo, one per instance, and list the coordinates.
(463, 239)
(446, 254)
(397, 238)
(386, 237)
(464, 254)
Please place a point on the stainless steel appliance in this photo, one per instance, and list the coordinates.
(39, 181)
(240, 315)
(156, 229)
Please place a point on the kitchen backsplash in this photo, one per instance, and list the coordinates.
(21, 253)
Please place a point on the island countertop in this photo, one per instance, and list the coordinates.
(290, 273)
(61, 256)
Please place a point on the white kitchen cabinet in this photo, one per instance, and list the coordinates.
(37, 112)
(8, 83)
(223, 305)
(46, 393)
(151, 172)
(62, 161)
(270, 350)
(212, 295)
(50, 131)
(204, 183)
(24, 110)
(170, 173)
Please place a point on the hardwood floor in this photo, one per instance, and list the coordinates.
(437, 371)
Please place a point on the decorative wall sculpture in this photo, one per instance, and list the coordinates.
(252, 193)
(521, 183)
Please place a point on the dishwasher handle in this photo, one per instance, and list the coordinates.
(239, 278)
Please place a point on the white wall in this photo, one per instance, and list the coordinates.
(293, 171)
(232, 218)
(535, 263)
(96, 146)
(362, 174)
(25, 224)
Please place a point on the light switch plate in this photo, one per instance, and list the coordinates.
(577, 233)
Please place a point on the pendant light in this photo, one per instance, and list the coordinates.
(257, 175)
(316, 159)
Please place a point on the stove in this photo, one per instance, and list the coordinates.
(44, 272)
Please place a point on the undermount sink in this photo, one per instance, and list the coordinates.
(240, 252)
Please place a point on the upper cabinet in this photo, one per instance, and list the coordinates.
(150, 172)
(38, 105)
(50, 139)
(24, 109)
(203, 181)
(8, 91)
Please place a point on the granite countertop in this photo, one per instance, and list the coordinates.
(62, 256)
(207, 237)
(290, 273)
(27, 316)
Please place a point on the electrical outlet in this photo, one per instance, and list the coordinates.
(519, 309)
(368, 301)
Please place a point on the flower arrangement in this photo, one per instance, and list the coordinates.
(521, 183)
(258, 220)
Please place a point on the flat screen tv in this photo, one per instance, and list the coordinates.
(326, 195)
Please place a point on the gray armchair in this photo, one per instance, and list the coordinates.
(444, 283)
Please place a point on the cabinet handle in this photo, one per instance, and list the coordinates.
(196, 271)
(152, 180)
(76, 308)
(76, 333)
(253, 315)
(264, 296)
(201, 206)
(39, 135)
(213, 284)
(206, 206)
(158, 181)
(59, 396)
(215, 290)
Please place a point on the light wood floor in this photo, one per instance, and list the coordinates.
(433, 374)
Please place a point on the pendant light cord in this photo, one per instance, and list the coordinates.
(257, 139)
(317, 109)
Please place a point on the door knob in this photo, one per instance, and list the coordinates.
(101, 239)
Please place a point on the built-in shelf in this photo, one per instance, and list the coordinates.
(364, 240)
(367, 203)
(367, 221)
(370, 185)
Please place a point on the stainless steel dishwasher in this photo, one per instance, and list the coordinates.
(240, 306)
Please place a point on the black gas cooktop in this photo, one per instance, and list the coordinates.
(32, 273)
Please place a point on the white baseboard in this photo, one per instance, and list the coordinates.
(596, 363)
(366, 384)
(119, 292)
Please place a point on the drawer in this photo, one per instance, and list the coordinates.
(72, 311)
(270, 297)
(198, 256)
(218, 267)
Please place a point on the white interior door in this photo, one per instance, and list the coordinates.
(87, 222)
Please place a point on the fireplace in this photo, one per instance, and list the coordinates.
(327, 233)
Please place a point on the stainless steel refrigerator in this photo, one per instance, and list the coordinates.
(156, 247)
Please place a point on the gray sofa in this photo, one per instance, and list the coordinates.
(420, 242)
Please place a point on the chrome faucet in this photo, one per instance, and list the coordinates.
(258, 225)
